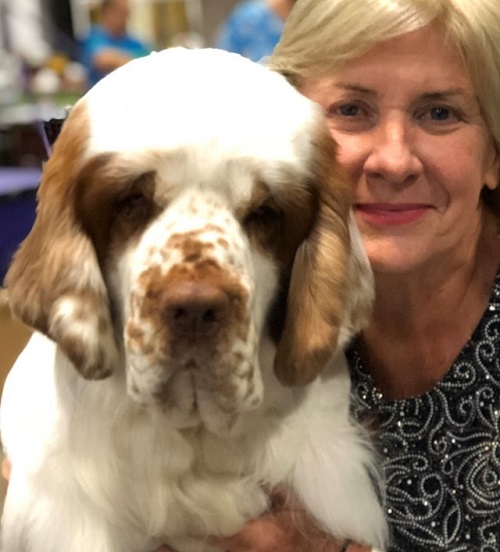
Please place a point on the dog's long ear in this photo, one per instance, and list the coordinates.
(322, 306)
(54, 282)
(360, 289)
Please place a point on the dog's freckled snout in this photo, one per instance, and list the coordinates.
(195, 310)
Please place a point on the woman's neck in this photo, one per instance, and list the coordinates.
(421, 321)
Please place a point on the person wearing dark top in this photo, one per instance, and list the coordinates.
(410, 90)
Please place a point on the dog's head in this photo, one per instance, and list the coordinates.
(192, 204)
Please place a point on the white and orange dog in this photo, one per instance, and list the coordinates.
(194, 270)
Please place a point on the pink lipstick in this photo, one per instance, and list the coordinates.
(391, 214)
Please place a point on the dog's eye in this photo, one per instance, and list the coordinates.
(264, 225)
(264, 215)
(133, 206)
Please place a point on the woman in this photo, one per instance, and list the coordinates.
(411, 93)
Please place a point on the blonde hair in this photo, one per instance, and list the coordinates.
(321, 35)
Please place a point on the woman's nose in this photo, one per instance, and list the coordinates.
(392, 156)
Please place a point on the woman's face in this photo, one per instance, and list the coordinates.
(413, 140)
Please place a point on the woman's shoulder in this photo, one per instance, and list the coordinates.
(439, 449)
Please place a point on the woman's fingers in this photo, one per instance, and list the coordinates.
(265, 534)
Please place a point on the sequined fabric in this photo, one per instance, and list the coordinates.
(440, 450)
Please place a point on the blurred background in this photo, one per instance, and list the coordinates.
(42, 49)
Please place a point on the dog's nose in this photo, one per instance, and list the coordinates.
(195, 309)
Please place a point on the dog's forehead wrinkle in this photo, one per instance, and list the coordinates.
(199, 208)
(231, 196)
(212, 175)
(209, 172)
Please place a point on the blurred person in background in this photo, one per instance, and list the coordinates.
(109, 44)
(23, 31)
(254, 27)
(38, 50)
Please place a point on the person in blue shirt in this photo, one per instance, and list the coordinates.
(254, 27)
(109, 45)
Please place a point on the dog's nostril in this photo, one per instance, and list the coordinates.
(178, 314)
(210, 316)
(195, 310)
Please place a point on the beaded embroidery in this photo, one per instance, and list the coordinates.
(441, 450)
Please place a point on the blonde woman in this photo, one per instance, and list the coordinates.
(411, 93)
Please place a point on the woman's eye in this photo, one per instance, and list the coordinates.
(350, 116)
(345, 110)
(439, 114)
(349, 110)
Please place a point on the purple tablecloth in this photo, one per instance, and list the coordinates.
(18, 179)
(18, 188)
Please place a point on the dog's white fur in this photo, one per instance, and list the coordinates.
(170, 172)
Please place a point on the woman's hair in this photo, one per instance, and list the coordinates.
(321, 35)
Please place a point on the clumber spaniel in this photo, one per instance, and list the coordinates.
(193, 259)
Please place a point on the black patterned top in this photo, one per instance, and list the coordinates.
(441, 450)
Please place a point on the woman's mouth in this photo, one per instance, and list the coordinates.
(391, 214)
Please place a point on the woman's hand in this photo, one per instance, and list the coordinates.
(285, 528)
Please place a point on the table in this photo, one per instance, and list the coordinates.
(18, 187)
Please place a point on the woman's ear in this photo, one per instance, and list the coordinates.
(319, 285)
(54, 282)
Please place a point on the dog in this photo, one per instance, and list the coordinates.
(192, 275)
